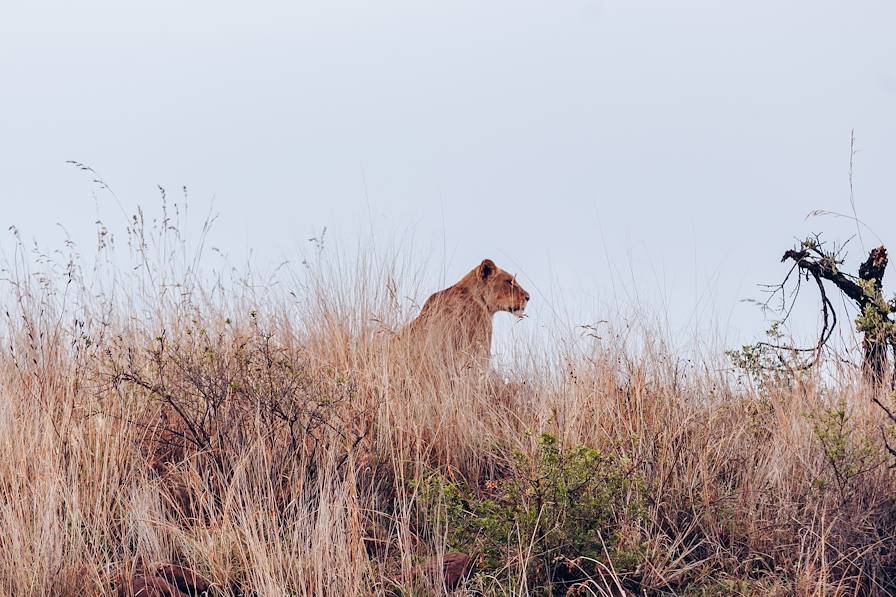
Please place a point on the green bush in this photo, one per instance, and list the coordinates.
(555, 519)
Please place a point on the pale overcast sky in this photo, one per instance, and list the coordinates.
(598, 148)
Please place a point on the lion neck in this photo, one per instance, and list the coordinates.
(472, 284)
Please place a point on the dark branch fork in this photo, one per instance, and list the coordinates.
(824, 266)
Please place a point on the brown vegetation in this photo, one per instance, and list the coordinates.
(259, 439)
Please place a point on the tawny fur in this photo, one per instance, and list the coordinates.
(455, 324)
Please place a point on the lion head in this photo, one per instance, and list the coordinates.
(499, 290)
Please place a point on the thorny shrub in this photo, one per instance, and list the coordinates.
(216, 390)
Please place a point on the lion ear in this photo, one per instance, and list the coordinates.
(486, 269)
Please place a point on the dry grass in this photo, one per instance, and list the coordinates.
(269, 441)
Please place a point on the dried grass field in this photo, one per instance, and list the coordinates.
(265, 436)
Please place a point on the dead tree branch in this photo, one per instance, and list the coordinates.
(865, 290)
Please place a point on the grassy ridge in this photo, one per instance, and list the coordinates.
(274, 443)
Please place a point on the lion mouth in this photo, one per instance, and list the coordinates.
(518, 312)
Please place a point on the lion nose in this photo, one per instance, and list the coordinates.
(525, 295)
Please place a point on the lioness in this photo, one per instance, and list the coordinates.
(455, 324)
